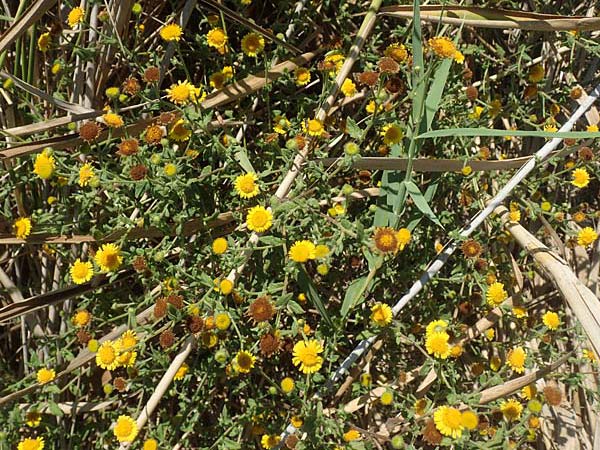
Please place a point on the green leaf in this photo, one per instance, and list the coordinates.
(432, 102)
(270, 240)
(421, 202)
(242, 158)
(307, 285)
(54, 409)
(500, 133)
(354, 295)
(353, 129)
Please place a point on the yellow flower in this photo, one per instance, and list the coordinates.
(321, 251)
(81, 318)
(392, 134)
(536, 73)
(387, 398)
(22, 227)
(170, 169)
(495, 363)
(476, 113)
(466, 170)
(45, 375)
(86, 173)
(253, 44)
(81, 271)
(519, 312)
(31, 444)
(551, 320)
(436, 326)
(217, 80)
(592, 128)
(348, 88)
(150, 444)
(222, 321)
(181, 372)
(589, 355)
(386, 239)
(469, 420)
(128, 340)
(302, 251)
(171, 32)
(352, 435)
(381, 314)
(516, 359)
(179, 131)
(448, 421)
(302, 75)
(259, 219)
(281, 125)
(581, 178)
(397, 52)
(219, 246)
(44, 165)
(246, 186)
(108, 257)
(528, 392)
(296, 421)
(106, 357)
(180, 93)
(287, 385)
(244, 361)
(75, 16)
(437, 344)
(197, 95)
(489, 334)
(442, 47)
(113, 120)
(306, 356)
(44, 42)
(511, 409)
(459, 57)
(33, 418)
(496, 294)
(403, 236)
(125, 429)
(228, 72)
(269, 441)
(314, 127)
(216, 38)
(226, 286)
(586, 237)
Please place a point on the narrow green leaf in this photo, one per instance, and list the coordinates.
(421, 202)
(432, 103)
(353, 129)
(354, 294)
(242, 158)
(309, 287)
(500, 133)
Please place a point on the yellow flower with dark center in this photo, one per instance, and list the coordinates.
(22, 227)
(253, 44)
(45, 375)
(442, 47)
(75, 16)
(179, 131)
(348, 87)
(269, 441)
(180, 93)
(31, 444)
(586, 236)
(511, 410)
(437, 344)
(469, 420)
(244, 361)
(403, 236)
(44, 165)
(171, 32)
(86, 173)
(392, 134)
(108, 257)
(125, 429)
(381, 314)
(287, 385)
(217, 80)
(397, 52)
(448, 421)
(302, 251)
(181, 372)
(81, 318)
(516, 359)
(581, 178)
(496, 294)
(113, 120)
(302, 75)
(33, 418)
(551, 320)
(81, 271)
(259, 219)
(314, 127)
(216, 38)
(44, 42)
(246, 186)
(219, 246)
(107, 356)
(386, 239)
(306, 356)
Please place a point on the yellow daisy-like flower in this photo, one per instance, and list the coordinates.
(219, 246)
(108, 257)
(171, 32)
(197, 95)
(150, 444)
(75, 16)
(348, 87)
(302, 75)
(128, 340)
(31, 444)
(586, 236)
(216, 38)
(44, 165)
(269, 441)
(246, 186)
(352, 435)
(22, 227)
(107, 356)
(403, 236)
(181, 372)
(448, 421)
(281, 125)
(581, 178)
(516, 359)
(386, 239)
(392, 134)
(302, 251)
(519, 312)
(387, 398)
(511, 409)
(496, 294)
(442, 47)
(222, 321)
(125, 359)
(381, 314)
(180, 93)
(86, 173)
(437, 344)
(44, 42)
(436, 326)
(259, 219)
(113, 120)
(287, 385)
(314, 127)
(81, 318)
(306, 356)
(81, 271)
(397, 52)
(45, 375)
(469, 420)
(217, 80)
(253, 44)
(225, 286)
(321, 251)
(125, 429)
(244, 361)
(179, 131)
(529, 391)
(33, 419)
(551, 320)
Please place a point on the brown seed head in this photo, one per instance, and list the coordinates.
(153, 135)
(138, 172)
(166, 339)
(128, 147)
(585, 153)
(120, 384)
(471, 248)
(472, 93)
(368, 78)
(151, 74)
(553, 395)
(83, 337)
(89, 131)
(269, 345)
(160, 308)
(261, 309)
(195, 324)
(388, 65)
(431, 435)
(131, 86)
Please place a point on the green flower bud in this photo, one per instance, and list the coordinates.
(136, 9)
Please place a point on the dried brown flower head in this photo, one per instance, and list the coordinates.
(167, 118)
(485, 153)
(131, 86)
(576, 93)
(154, 134)
(138, 172)
(388, 65)
(552, 395)
(431, 435)
(151, 74)
(166, 339)
(175, 300)
(394, 85)
(83, 337)
(585, 153)
(481, 265)
(467, 74)
(195, 323)
(472, 93)
(261, 309)
(139, 264)
(471, 248)
(531, 91)
(128, 147)
(269, 344)
(89, 131)
(291, 441)
(160, 308)
(120, 384)
(368, 78)
(385, 239)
